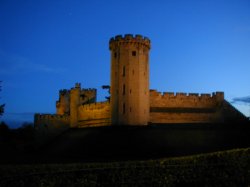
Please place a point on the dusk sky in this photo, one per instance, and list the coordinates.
(198, 46)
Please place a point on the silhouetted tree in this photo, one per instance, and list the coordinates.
(1, 105)
(26, 130)
(4, 129)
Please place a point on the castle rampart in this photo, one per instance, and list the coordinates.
(170, 107)
(131, 100)
(51, 121)
(94, 114)
(179, 99)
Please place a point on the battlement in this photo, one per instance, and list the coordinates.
(217, 95)
(66, 91)
(95, 114)
(63, 92)
(88, 89)
(77, 86)
(51, 122)
(94, 106)
(128, 39)
(180, 99)
(51, 117)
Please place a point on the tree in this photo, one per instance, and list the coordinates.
(1, 105)
(4, 129)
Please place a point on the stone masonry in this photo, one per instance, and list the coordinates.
(131, 100)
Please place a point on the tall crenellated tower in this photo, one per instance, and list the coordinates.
(129, 79)
(74, 104)
(62, 105)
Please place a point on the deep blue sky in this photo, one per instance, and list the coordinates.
(47, 45)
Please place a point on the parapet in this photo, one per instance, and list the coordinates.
(89, 90)
(95, 106)
(50, 117)
(219, 96)
(77, 85)
(63, 92)
(128, 39)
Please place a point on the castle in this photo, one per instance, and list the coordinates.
(131, 101)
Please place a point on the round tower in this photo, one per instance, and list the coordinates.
(129, 80)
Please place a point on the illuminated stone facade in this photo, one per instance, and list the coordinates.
(131, 100)
(129, 80)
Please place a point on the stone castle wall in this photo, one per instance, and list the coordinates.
(165, 107)
(88, 96)
(131, 102)
(51, 122)
(94, 114)
(84, 96)
(179, 99)
(172, 107)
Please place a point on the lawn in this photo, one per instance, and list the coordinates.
(224, 168)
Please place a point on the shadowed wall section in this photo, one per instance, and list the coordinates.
(51, 125)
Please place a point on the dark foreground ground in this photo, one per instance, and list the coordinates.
(219, 155)
(125, 143)
(225, 168)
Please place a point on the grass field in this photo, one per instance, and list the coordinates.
(225, 168)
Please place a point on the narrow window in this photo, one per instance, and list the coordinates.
(123, 71)
(133, 53)
(130, 109)
(133, 72)
(124, 108)
(123, 89)
(130, 91)
(115, 54)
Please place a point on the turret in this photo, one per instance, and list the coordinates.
(129, 80)
(74, 103)
(62, 105)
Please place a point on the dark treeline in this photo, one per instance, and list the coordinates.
(15, 142)
(28, 145)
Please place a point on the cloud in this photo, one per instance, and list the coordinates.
(242, 100)
(13, 64)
